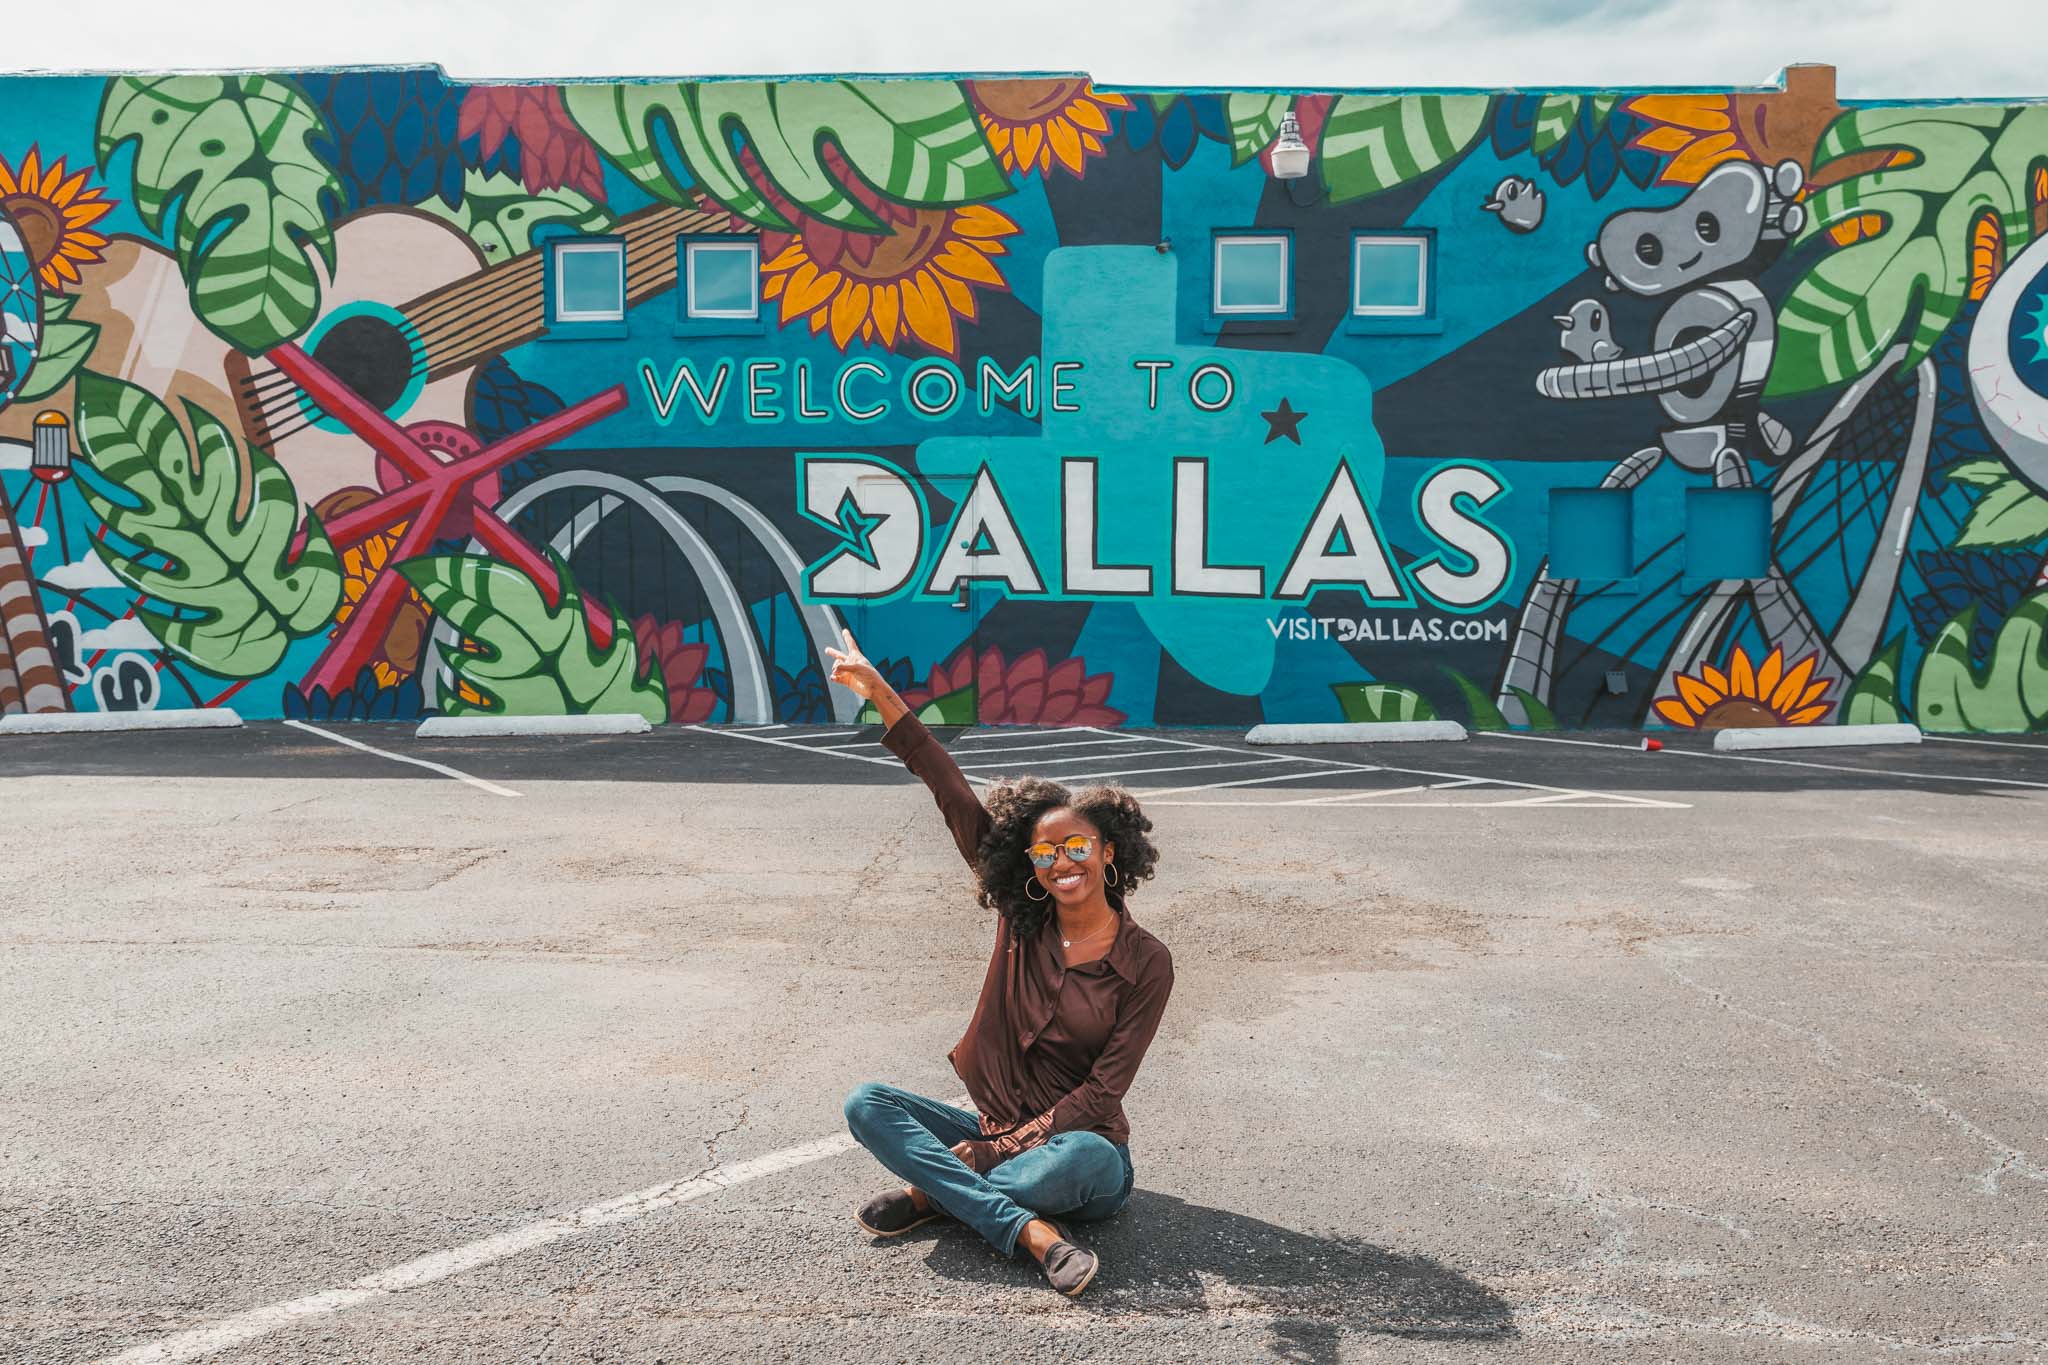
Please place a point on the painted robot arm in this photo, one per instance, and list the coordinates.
(1656, 372)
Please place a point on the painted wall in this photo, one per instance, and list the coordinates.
(290, 419)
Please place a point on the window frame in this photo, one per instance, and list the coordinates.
(614, 247)
(1219, 240)
(688, 322)
(691, 248)
(1380, 319)
(553, 239)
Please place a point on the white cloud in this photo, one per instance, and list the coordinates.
(32, 537)
(127, 633)
(86, 574)
(1885, 48)
(16, 454)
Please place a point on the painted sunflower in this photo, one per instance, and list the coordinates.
(1767, 694)
(919, 281)
(55, 211)
(1031, 124)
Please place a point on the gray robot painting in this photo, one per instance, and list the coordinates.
(1710, 352)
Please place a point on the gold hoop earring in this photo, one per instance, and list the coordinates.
(1111, 873)
(1030, 882)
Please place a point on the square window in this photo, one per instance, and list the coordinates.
(722, 279)
(1727, 533)
(1252, 276)
(590, 281)
(1592, 533)
(1390, 276)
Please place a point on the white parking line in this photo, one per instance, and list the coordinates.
(1025, 755)
(439, 1265)
(1056, 744)
(1150, 795)
(791, 744)
(2041, 749)
(1037, 762)
(1782, 762)
(442, 768)
(1346, 798)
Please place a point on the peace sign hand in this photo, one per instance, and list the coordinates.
(851, 669)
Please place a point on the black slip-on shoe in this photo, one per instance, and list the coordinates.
(893, 1214)
(1069, 1268)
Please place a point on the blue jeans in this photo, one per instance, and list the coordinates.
(1083, 1176)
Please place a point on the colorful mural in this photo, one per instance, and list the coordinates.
(366, 395)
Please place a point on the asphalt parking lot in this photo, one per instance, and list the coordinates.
(339, 1044)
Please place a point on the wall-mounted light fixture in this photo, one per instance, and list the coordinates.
(51, 457)
(1290, 153)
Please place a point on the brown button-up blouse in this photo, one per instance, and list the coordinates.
(1050, 1048)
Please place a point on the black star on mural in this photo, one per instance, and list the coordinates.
(1283, 421)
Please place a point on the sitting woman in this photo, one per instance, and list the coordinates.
(1074, 992)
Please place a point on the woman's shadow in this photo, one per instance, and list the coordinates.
(1166, 1256)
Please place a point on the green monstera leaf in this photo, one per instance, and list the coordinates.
(65, 347)
(238, 595)
(535, 660)
(2009, 693)
(1381, 701)
(917, 142)
(499, 214)
(1375, 142)
(230, 159)
(1254, 123)
(1901, 266)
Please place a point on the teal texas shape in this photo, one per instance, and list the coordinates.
(1107, 307)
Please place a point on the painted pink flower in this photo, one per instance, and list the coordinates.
(682, 666)
(553, 151)
(1025, 691)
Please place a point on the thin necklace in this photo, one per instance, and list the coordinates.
(1068, 943)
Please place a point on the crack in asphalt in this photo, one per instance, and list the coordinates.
(580, 1289)
(2011, 1158)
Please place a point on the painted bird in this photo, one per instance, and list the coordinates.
(1584, 332)
(1518, 202)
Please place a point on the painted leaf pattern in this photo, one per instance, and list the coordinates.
(231, 157)
(1375, 142)
(1367, 702)
(1903, 268)
(1254, 123)
(65, 347)
(525, 129)
(1873, 698)
(499, 214)
(2008, 514)
(918, 142)
(1553, 120)
(2010, 692)
(534, 660)
(237, 595)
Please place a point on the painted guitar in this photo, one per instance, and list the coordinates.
(408, 317)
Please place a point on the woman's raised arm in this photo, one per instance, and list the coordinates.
(907, 738)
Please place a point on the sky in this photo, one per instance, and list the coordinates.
(1882, 48)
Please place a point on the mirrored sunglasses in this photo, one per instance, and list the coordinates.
(1078, 848)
